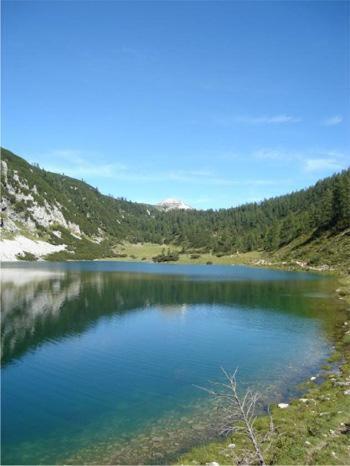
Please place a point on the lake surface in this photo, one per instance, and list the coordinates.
(100, 360)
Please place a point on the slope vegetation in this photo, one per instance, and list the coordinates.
(311, 224)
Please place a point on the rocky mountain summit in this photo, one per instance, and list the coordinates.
(171, 204)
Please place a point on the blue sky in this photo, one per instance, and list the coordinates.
(213, 102)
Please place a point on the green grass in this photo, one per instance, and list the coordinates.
(344, 289)
(329, 248)
(305, 433)
(136, 252)
(248, 258)
(146, 251)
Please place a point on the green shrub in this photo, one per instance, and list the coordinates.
(171, 257)
(26, 256)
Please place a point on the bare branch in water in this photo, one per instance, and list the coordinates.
(238, 415)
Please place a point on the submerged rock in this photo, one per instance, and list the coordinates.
(283, 405)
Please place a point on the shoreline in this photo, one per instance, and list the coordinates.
(184, 456)
(293, 266)
(243, 259)
(321, 403)
(318, 422)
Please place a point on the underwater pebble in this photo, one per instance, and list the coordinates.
(231, 445)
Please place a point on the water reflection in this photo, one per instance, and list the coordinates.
(43, 304)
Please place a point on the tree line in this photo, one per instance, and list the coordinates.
(267, 225)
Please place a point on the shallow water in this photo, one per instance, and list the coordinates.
(98, 354)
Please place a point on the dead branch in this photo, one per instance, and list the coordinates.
(238, 415)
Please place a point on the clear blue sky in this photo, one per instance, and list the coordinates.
(216, 103)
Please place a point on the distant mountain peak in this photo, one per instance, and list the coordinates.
(170, 204)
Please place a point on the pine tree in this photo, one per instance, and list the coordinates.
(327, 208)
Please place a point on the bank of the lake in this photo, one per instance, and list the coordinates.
(315, 259)
(312, 429)
(315, 428)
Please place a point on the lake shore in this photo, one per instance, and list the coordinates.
(313, 429)
(145, 252)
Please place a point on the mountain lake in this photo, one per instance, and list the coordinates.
(101, 361)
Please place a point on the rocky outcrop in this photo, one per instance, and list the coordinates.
(31, 213)
(172, 204)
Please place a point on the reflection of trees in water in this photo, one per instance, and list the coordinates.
(55, 304)
(28, 304)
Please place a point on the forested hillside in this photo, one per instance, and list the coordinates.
(62, 209)
(26, 188)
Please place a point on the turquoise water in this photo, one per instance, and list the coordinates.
(96, 354)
